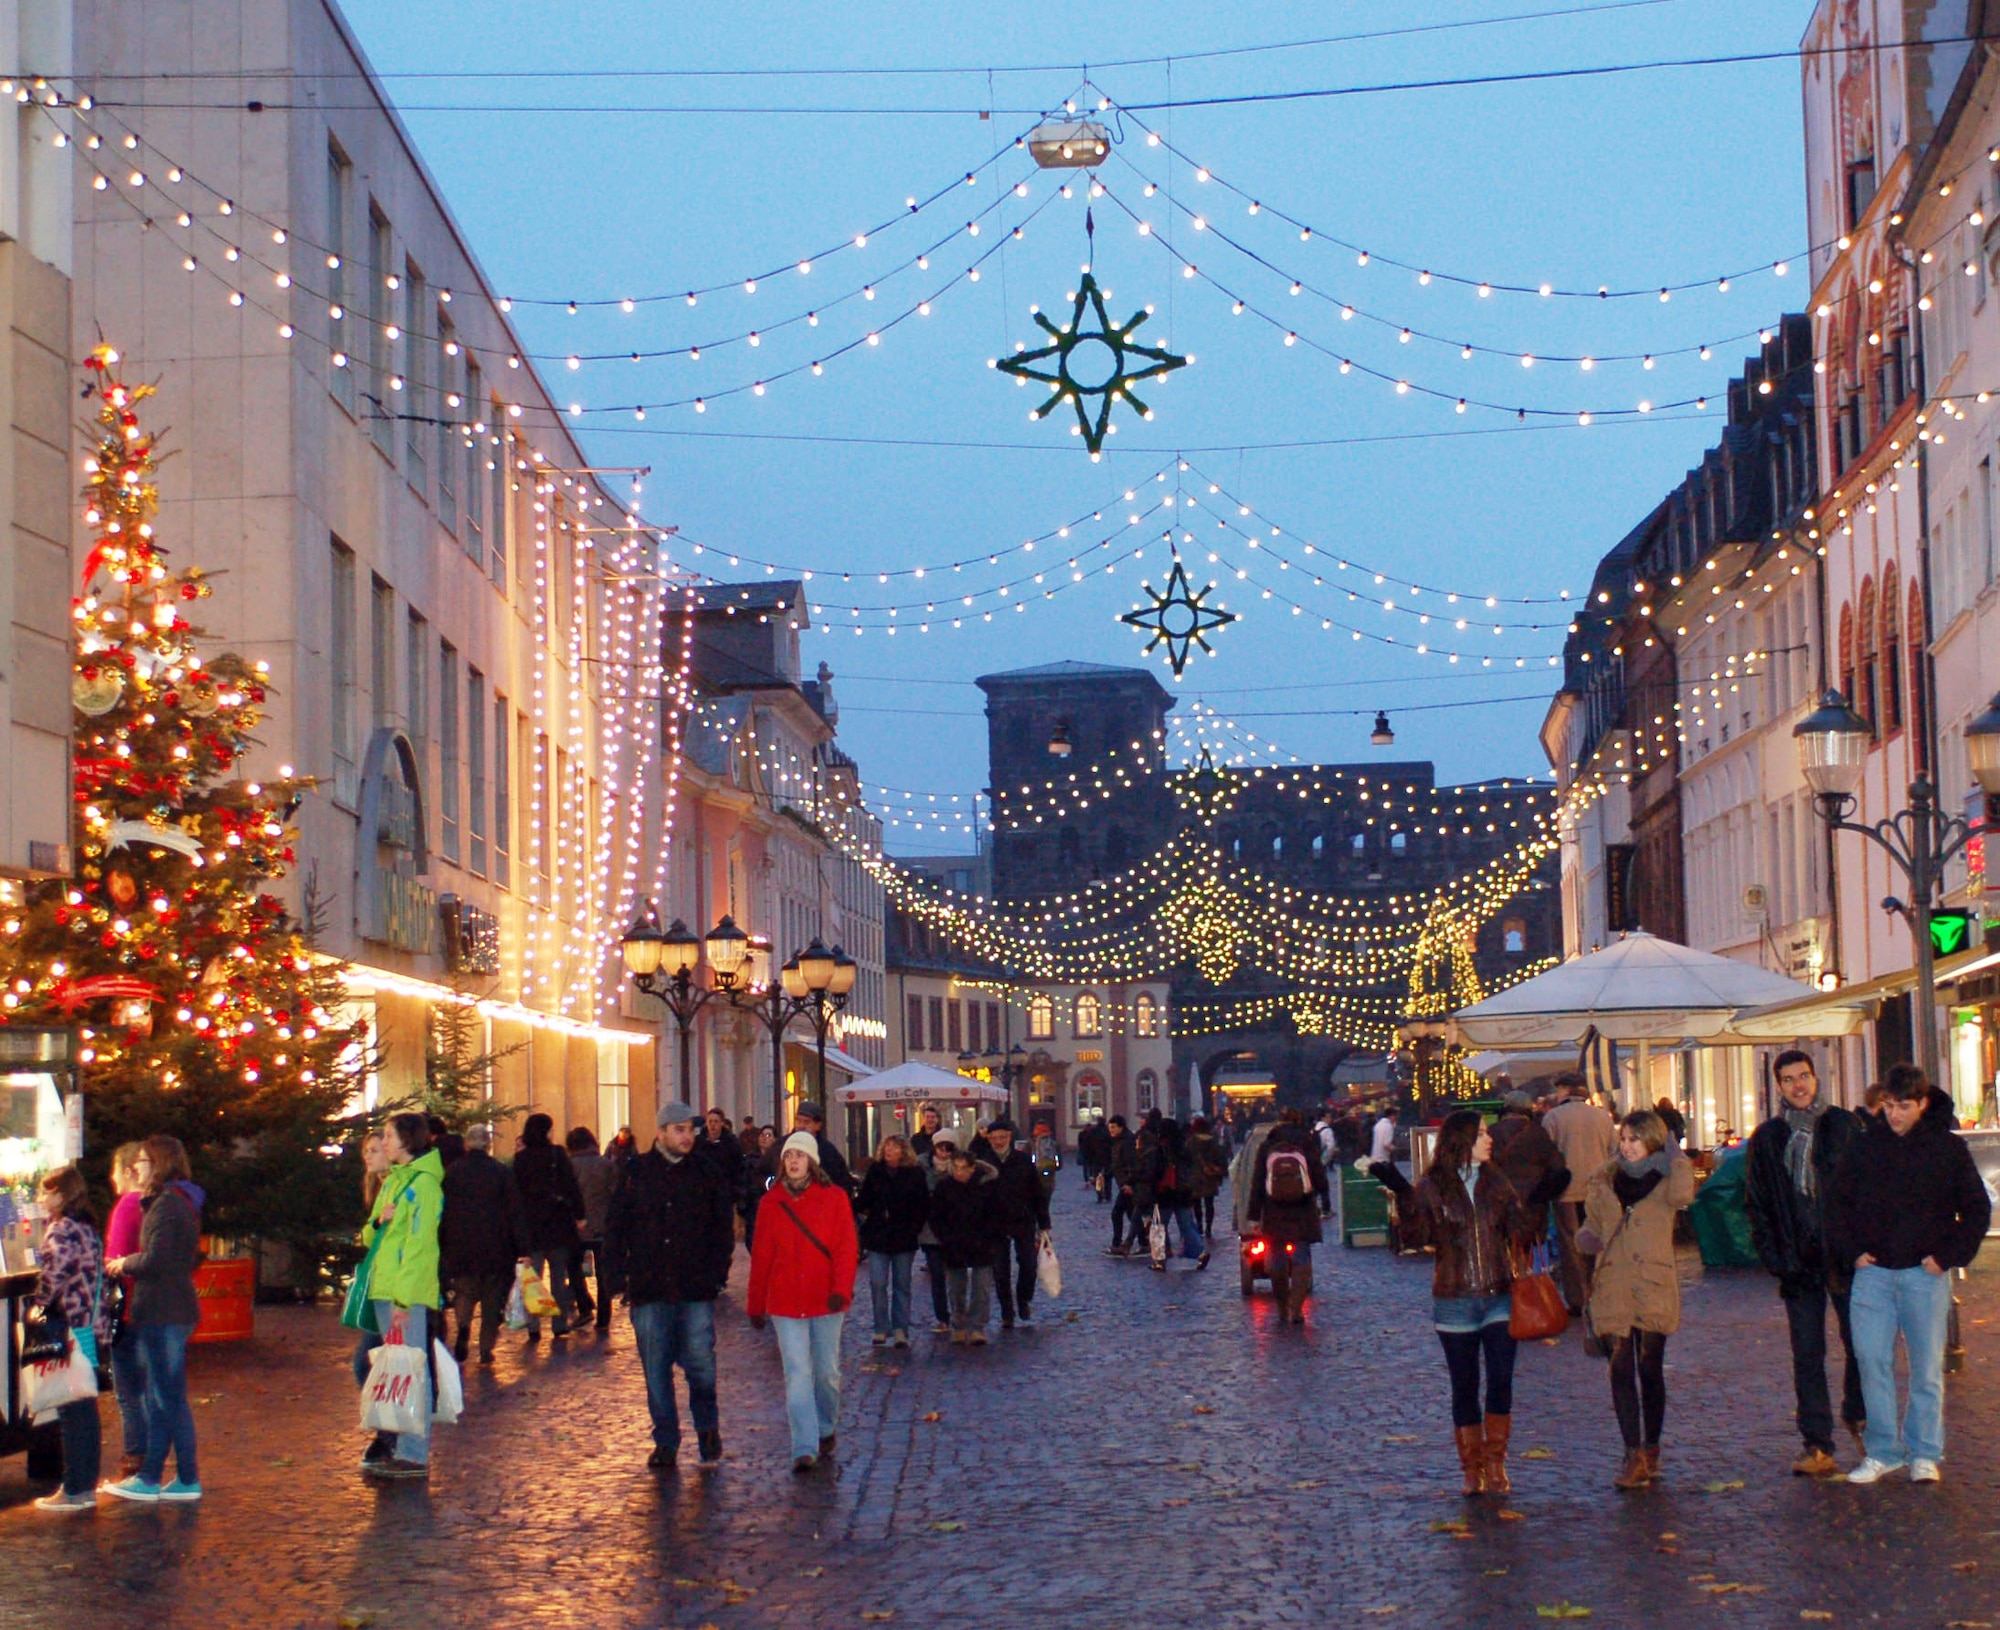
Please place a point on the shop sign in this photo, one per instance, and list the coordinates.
(1090, 1055)
(1951, 932)
(395, 905)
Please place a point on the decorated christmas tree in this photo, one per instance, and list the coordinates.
(203, 1009)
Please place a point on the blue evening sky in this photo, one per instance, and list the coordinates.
(913, 452)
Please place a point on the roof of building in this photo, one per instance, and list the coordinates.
(780, 594)
(1067, 670)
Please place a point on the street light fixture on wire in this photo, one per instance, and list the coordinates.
(1921, 839)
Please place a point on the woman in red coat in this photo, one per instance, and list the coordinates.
(802, 1279)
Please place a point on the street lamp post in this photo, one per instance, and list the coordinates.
(817, 982)
(1921, 839)
(663, 965)
(1013, 1064)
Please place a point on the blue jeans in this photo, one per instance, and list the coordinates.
(162, 1354)
(810, 1349)
(414, 1447)
(1192, 1244)
(889, 1289)
(682, 1333)
(1915, 1303)
(128, 1380)
(366, 1342)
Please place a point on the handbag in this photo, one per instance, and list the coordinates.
(1536, 1311)
(358, 1311)
(834, 1303)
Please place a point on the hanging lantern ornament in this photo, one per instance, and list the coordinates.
(1178, 618)
(1097, 365)
(95, 690)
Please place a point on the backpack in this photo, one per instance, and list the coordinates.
(1287, 1177)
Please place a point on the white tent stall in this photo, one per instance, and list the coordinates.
(894, 1097)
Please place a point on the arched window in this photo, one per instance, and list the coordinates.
(1514, 935)
(1145, 1015)
(1089, 1097)
(1278, 848)
(1360, 842)
(1399, 842)
(1867, 672)
(1089, 1015)
(1891, 647)
(1319, 846)
(1148, 1087)
(1918, 644)
(1847, 653)
(1235, 848)
(1041, 1017)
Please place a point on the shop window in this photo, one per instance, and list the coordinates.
(1148, 1091)
(1089, 1097)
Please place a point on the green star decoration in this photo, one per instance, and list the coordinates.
(1178, 618)
(1076, 350)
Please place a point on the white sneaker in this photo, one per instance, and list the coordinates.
(1872, 1470)
(1925, 1471)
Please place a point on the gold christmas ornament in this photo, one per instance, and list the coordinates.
(96, 691)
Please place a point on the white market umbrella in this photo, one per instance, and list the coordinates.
(1642, 989)
(917, 1083)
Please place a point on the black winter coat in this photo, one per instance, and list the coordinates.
(965, 1218)
(1021, 1202)
(551, 1201)
(1902, 1198)
(1122, 1154)
(1789, 1231)
(894, 1203)
(726, 1155)
(672, 1231)
(478, 1236)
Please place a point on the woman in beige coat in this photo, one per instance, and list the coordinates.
(1635, 1294)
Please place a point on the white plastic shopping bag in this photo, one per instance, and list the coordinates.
(450, 1390)
(54, 1382)
(1156, 1239)
(1048, 1271)
(517, 1308)
(398, 1395)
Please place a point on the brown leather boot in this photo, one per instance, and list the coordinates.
(1472, 1457)
(1499, 1428)
(1632, 1475)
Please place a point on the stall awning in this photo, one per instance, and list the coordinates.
(837, 1059)
(1843, 1012)
(918, 1083)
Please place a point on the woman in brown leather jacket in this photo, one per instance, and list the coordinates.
(1469, 1215)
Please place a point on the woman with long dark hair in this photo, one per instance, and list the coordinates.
(1467, 1212)
(71, 1287)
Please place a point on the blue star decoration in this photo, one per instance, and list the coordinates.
(1091, 364)
(1178, 618)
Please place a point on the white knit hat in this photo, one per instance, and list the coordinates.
(802, 1143)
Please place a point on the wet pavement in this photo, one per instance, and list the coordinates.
(1154, 1452)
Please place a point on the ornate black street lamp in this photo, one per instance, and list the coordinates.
(663, 965)
(1921, 839)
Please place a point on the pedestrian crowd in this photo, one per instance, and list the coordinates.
(1545, 1213)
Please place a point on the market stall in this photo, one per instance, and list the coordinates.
(1656, 995)
(41, 1128)
(892, 1099)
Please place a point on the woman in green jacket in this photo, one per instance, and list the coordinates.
(404, 1281)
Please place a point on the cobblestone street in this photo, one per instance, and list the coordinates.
(1152, 1452)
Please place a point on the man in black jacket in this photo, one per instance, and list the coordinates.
(1022, 1208)
(1121, 1171)
(671, 1236)
(1788, 1173)
(478, 1240)
(1907, 1206)
(1093, 1153)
